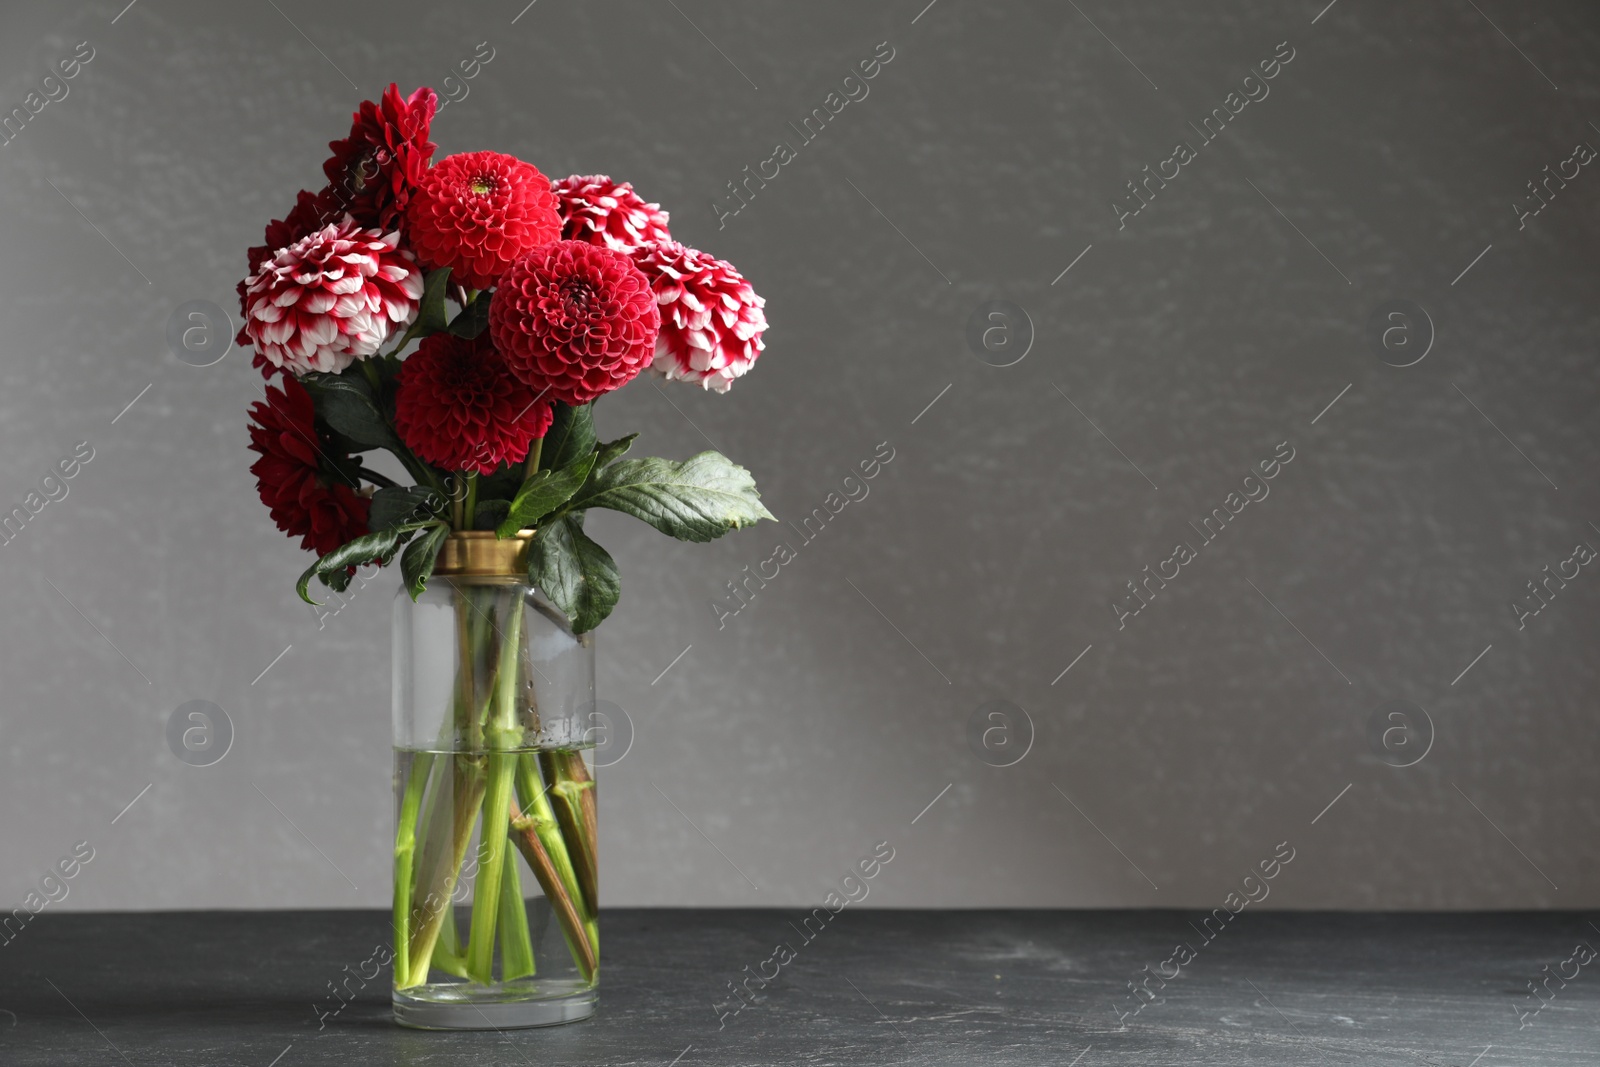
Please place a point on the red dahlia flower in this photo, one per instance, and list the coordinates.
(372, 173)
(576, 319)
(322, 510)
(602, 212)
(459, 407)
(711, 320)
(331, 298)
(476, 212)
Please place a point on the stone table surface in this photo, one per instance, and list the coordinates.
(874, 987)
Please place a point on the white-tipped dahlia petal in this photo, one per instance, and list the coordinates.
(711, 319)
(331, 298)
(599, 211)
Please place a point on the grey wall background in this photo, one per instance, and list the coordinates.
(1222, 320)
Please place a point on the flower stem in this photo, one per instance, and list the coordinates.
(534, 451)
(516, 946)
(491, 863)
(446, 958)
(470, 509)
(382, 481)
(503, 735)
(455, 798)
(444, 851)
(561, 888)
(573, 790)
(539, 842)
(405, 844)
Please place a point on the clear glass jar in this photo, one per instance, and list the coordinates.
(495, 881)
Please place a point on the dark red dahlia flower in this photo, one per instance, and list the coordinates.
(306, 501)
(372, 173)
(459, 407)
(711, 319)
(603, 212)
(576, 319)
(476, 212)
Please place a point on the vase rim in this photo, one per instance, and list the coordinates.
(480, 553)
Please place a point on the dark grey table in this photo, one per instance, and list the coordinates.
(875, 987)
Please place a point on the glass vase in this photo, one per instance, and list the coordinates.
(495, 880)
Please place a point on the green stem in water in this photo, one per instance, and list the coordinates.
(516, 945)
(491, 863)
(539, 838)
(405, 845)
(459, 788)
(573, 791)
(528, 833)
(503, 736)
(448, 958)
(455, 797)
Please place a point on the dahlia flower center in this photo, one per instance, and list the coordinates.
(577, 293)
(482, 185)
(359, 172)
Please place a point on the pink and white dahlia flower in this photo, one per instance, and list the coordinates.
(603, 212)
(711, 319)
(331, 298)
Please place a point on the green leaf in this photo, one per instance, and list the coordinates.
(346, 404)
(611, 451)
(432, 316)
(491, 513)
(576, 574)
(571, 435)
(416, 566)
(473, 318)
(339, 444)
(397, 506)
(543, 493)
(699, 499)
(379, 545)
(338, 580)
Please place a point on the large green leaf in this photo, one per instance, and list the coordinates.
(416, 565)
(543, 493)
(611, 451)
(699, 499)
(346, 404)
(379, 545)
(571, 435)
(472, 319)
(576, 574)
(397, 506)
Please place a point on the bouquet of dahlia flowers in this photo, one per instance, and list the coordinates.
(527, 300)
